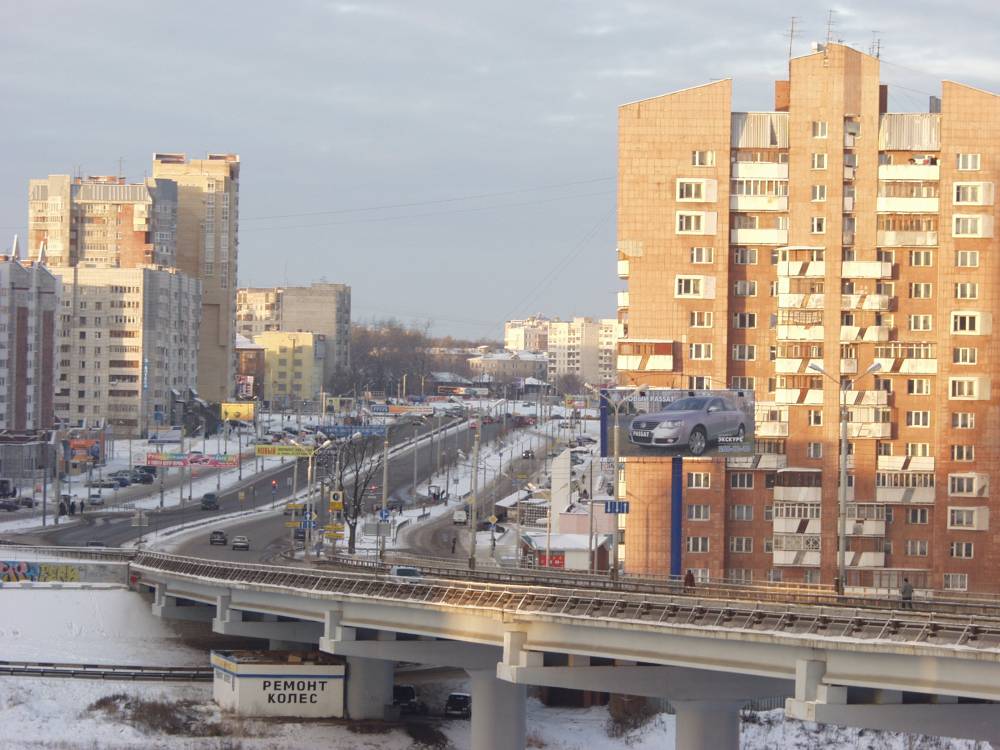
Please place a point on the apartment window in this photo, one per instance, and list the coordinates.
(961, 485)
(917, 515)
(964, 355)
(818, 225)
(690, 191)
(968, 162)
(699, 480)
(741, 480)
(703, 158)
(819, 161)
(883, 384)
(918, 450)
(918, 419)
(965, 322)
(967, 193)
(698, 512)
(918, 386)
(815, 417)
(967, 290)
(689, 222)
(884, 255)
(768, 512)
(814, 450)
(956, 581)
(963, 388)
(963, 453)
(963, 420)
(916, 547)
(699, 351)
(742, 383)
(744, 320)
(961, 518)
(702, 254)
(689, 286)
(745, 256)
(921, 258)
(699, 382)
(961, 549)
(921, 322)
(818, 193)
(967, 226)
(819, 129)
(744, 352)
(697, 544)
(920, 290)
(745, 288)
(700, 319)
(740, 544)
(967, 258)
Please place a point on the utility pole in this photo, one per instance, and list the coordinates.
(416, 453)
(472, 505)
(385, 493)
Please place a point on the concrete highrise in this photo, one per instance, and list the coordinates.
(207, 249)
(825, 232)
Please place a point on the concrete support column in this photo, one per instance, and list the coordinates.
(369, 687)
(499, 719)
(707, 725)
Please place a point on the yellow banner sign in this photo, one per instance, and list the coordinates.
(336, 506)
(283, 450)
(242, 410)
(292, 524)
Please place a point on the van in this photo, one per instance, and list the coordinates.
(460, 517)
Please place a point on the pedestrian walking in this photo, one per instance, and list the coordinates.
(72, 507)
(689, 581)
(454, 541)
(906, 594)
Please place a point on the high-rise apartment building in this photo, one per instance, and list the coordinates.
(827, 233)
(526, 335)
(321, 308)
(128, 346)
(583, 347)
(29, 304)
(103, 221)
(293, 367)
(207, 249)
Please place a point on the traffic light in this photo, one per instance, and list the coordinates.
(274, 484)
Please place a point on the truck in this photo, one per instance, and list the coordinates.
(461, 516)
(7, 488)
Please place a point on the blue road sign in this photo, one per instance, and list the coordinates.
(346, 430)
(383, 514)
(616, 506)
(307, 524)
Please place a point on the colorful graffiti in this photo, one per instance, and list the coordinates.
(12, 571)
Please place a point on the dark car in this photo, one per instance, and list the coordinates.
(405, 697)
(151, 470)
(210, 501)
(94, 543)
(26, 502)
(218, 537)
(527, 453)
(300, 535)
(142, 477)
(458, 704)
(9, 505)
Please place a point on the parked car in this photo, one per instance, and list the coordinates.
(299, 535)
(210, 501)
(95, 498)
(527, 453)
(218, 537)
(565, 425)
(241, 542)
(460, 517)
(9, 505)
(142, 477)
(146, 469)
(695, 422)
(459, 705)
(26, 502)
(405, 697)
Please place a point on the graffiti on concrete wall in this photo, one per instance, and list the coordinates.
(12, 571)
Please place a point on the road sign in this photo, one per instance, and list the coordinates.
(295, 506)
(283, 450)
(616, 506)
(242, 496)
(384, 514)
(335, 507)
(308, 525)
(292, 524)
(334, 526)
(493, 520)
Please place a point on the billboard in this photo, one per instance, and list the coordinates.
(167, 459)
(179, 459)
(283, 450)
(663, 423)
(245, 386)
(242, 410)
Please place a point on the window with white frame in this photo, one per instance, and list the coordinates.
(966, 290)
(689, 223)
(814, 449)
(699, 382)
(965, 322)
(918, 516)
(818, 193)
(968, 192)
(741, 480)
(699, 351)
(690, 190)
(744, 320)
(741, 544)
(918, 419)
(967, 162)
(739, 575)
(963, 420)
(742, 382)
(745, 288)
(920, 290)
(967, 226)
(819, 161)
(916, 547)
(819, 129)
(918, 450)
(961, 484)
(744, 352)
(745, 256)
(818, 225)
(918, 386)
(921, 322)
(967, 258)
(964, 355)
(815, 417)
(956, 581)
(698, 512)
(961, 518)
(703, 158)
(699, 480)
(921, 258)
(700, 318)
(774, 575)
(963, 388)
(961, 549)
(697, 544)
(702, 254)
(689, 286)
(963, 452)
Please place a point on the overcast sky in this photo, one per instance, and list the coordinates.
(453, 161)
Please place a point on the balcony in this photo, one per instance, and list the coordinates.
(795, 525)
(904, 494)
(869, 430)
(798, 494)
(758, 236)
(771, 429)
(645, 362)
(623, 268)
(848, 204)
(866, 398)
(793, 301)
(847, 237)
(866, 269)
(794, 365)
(622, 300)
(863, 302)
(808, 559)
(908, 366)
(761, 461)
(906, 463)
(800, 332)
(906, 239)
(885, 204)
(849, 172)
(865, 527)
(758, 202)
(763, 170)
(811, 269)
(866, 559)
(866, 333)
(915, 172)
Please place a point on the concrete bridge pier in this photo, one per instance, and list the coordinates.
(369, 687)
(707, 725)
(499, 716)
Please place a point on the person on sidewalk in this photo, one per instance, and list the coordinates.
(689, 581)
(906, 594)
(454, 541)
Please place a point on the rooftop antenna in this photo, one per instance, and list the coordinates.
(829, 25)
(791, 35)
(121, 161)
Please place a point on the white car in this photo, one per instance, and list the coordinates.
(241, 543)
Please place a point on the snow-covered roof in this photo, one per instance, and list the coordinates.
(562, 542)
(242, 342)
(534, 381)
(448, 377)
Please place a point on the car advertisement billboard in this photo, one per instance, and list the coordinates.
(664, 423)
(242, 410)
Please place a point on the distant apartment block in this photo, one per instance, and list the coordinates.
(207, 249)
(527, 335)
(29, 304)
(830, 233)
(321, 308)
(507, 367)
(583, 347)
(293, 367)
(128, 346)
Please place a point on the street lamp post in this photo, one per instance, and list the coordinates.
(843, 386)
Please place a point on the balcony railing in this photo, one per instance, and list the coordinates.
(758, 202)
(758, 236)
(906, 239)
(906, 205)
(623, 269)
(909, 172)
(764, 170)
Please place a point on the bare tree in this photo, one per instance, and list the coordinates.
(360, 463)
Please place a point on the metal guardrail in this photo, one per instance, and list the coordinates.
(105, 671)
(927, 629)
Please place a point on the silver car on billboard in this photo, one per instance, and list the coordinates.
(692, 422)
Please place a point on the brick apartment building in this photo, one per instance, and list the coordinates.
(829, 232)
